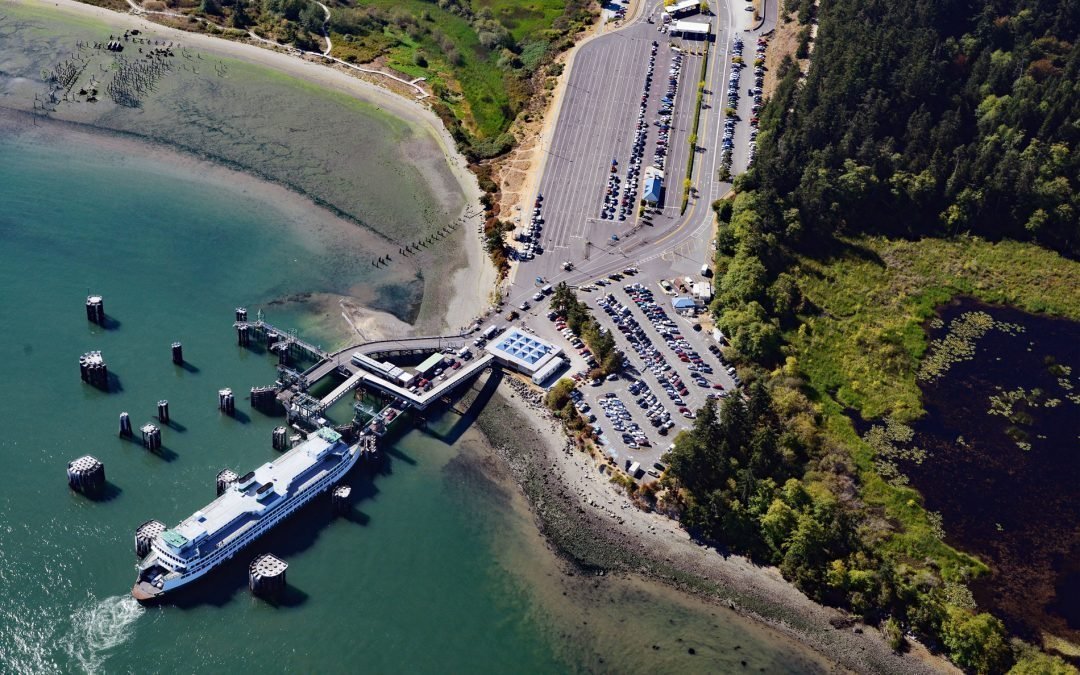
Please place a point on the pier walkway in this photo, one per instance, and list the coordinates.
(294, 386)
(381, 349)
(423, 399)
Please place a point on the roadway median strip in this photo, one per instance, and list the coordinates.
(694, 131)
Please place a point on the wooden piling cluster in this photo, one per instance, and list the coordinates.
(226, 402)
(135, 77)
(225, 479)
(151, 437)
(342, 499)
(264, 398)
(266, 576)
(280, 438)
(93, 370)
(243, 329)
(369, 448)
(86, 475)
(145, 535)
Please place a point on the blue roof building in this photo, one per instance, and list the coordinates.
(653, 186)
(683, 304)
(522, 351)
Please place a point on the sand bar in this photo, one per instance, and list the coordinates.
(444, 305)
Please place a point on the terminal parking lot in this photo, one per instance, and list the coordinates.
(597, 124)
(639, 378)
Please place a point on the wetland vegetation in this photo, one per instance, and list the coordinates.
(927, 155)
(483, 60)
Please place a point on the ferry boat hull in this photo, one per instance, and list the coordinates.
(157, 579)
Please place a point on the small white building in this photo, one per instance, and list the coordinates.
(691, 29)
(684, 8)
(702, 291)
(548, 371)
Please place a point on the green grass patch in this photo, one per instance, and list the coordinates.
(455, 57)
(864, 344)
(523, 19)
(361, 48)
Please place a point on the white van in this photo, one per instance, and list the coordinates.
(634, 469)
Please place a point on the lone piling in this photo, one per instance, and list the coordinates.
(178, 353)
(145, 535)
(95, 309)
(125, 425)
(86, 475)
(266, 576)
(163, 411)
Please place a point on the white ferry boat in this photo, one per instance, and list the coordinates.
(248, 508)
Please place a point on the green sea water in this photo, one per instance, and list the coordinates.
(416, 579)
(406, 582)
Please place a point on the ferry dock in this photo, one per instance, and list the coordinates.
(364, 365)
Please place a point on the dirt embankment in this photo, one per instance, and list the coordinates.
(785, 42)
(595, 527)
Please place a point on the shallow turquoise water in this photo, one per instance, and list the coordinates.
(406, 582)
(414, 580)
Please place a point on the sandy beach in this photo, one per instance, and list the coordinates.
(443, 305)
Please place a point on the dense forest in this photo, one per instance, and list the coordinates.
(949, 119)
(931, 118)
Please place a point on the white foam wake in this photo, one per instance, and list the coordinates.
(100, 626)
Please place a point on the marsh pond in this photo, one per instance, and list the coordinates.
(997, 456)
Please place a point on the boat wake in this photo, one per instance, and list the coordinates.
(99, 627)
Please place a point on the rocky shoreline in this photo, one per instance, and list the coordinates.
(598, 531)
